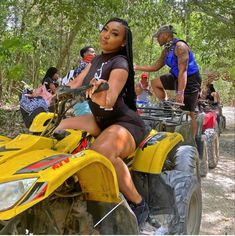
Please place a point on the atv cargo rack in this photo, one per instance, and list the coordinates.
(170, 119)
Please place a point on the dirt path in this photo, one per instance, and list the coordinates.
(218, 187)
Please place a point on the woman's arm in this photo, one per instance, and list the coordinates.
(77, 82)
(107, 99)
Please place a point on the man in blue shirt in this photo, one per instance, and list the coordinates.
(184, 76)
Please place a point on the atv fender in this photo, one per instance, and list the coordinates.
(23, 143)
(152, 153)
(94, 172)
(41, 121)
(4, 140)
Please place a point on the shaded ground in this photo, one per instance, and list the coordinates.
(218, 187)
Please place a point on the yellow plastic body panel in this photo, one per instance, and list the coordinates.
(4, 140)
(23, 143)
(151, 157)
(95, 174)
(70, 142)
(41, 121)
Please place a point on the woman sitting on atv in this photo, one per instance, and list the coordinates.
(114, 121)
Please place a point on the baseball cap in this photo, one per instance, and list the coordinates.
(144, 76)
(164, 29)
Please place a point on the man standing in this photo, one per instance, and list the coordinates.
(184, 76)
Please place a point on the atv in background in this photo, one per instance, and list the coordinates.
(181, 159)
(52, 183)
(211, 123)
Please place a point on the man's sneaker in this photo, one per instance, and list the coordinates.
(141, 211)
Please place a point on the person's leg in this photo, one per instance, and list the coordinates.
(194, 123)
(84, 122)
(161, 83)
(116, 143)
(216, 97)
(158, 89)
(190, 101)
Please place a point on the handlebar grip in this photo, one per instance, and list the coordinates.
(102, 87)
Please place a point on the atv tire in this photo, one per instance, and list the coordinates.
(187, 160)
(187, 190)
(213, 147)
(222, 123)
(203, 155)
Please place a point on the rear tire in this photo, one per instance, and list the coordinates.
(188, 197)
(213, 147)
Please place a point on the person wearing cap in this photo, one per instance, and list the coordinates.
(142, 90)
(184, 76)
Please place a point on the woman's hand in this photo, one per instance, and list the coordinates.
(95, 85)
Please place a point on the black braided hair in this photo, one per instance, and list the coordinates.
(129, 94)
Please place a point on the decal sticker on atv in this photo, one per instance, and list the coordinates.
(4, 149)
(44, 164)
(152, 140)
(79, 154)
(37, 191)
(83, 144)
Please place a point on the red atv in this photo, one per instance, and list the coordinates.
(211, 123)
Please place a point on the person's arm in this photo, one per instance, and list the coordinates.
(107, 99)
(52, 88)
(182, 53)
(138, 89)
(157, 66)
(77, 82)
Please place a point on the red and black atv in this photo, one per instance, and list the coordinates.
(211, 124)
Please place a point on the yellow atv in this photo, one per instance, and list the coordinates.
(51, 183)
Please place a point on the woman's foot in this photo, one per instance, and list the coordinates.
(141, 211)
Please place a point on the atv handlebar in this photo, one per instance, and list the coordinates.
(64, 94)
(66, 90)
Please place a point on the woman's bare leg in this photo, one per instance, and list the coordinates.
(84, 122)
(116, 143)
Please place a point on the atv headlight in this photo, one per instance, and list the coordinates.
(12, 192)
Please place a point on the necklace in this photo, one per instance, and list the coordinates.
(168, 44)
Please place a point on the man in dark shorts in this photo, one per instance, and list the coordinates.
(184, 76)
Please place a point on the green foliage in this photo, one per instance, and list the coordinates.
(38, 34)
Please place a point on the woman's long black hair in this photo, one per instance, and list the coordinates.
(50, 72)
(129, 89)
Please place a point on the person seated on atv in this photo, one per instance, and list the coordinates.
(33, 102)
(50, 80)
(208, 91)
(114, 122)
(142, 90)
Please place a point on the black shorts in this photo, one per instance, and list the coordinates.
(192, 89)
(131, 121)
